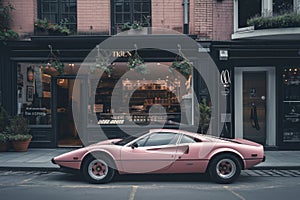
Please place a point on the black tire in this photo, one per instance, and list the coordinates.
(224, 168)
(98, 170)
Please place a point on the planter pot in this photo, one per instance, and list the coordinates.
(142, 31)
(21, 146)
(39, 32)
(51, 71)
(4, 146)
(57, 33)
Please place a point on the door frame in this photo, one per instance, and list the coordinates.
(54, 103)
(270, 102)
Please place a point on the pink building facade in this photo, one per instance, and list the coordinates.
(208, 19)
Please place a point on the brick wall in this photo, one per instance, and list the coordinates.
(203, 19)
(223, 20)
(213, 19)
(167, 14)
(23, 16)
(93, 16)
(209, 19)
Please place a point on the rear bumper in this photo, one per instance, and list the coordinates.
(249, 163)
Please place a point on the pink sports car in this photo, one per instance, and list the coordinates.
(164, 151)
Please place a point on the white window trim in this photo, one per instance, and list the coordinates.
(271, 102)
(267, 8)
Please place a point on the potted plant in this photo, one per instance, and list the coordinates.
(41, 27)
(45, 27)
(3, 142)
(126, 26)
(4, 121)
(19, 131)
(59, 29)
(205, 114)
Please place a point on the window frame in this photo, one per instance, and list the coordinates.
(114, 24)
(267, 5)
(60, 13)
(147, 136)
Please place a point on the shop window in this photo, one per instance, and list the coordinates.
(157, 98)
(282, 6)
(260, 8)
(34, 94)
(58, 11)
(244, 13)
(291, 102)
(130, 11)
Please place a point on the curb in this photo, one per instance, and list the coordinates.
(52, 169)
(275, 168)
(45, 169)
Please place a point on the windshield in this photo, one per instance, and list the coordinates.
(129, 139)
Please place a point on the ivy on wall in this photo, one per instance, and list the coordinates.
(5, 19)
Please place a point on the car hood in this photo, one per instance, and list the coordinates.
(77, 154)
(227, 140)
(105, 142)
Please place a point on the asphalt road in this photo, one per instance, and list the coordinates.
(254, 184)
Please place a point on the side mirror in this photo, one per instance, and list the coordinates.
(134, 145)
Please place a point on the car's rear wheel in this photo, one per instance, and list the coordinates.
(224, 168)
(98, 170)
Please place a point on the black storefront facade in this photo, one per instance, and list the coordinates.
(265, 89)
(262, 81)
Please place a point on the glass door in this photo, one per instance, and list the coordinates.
(66, 132)
(254, 106)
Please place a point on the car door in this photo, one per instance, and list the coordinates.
(153, 153)
(187, 158)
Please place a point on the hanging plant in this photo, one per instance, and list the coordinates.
(137, 64)
(53, 65)
(184, 67)
(182, 64)
(106, 67)
(102, 62)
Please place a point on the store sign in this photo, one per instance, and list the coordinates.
(110, 121)
(225, 78)
(35, 112)
(121, 54)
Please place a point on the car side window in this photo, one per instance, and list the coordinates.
(141, 142)
(187, 139)
(157, 139)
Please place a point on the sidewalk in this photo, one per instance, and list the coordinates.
(40, 159)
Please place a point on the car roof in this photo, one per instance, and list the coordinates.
(192, 134)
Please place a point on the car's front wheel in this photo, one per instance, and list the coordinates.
(97, 170)
(224, 168)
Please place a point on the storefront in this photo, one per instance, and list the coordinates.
(261, 80)
(264, 89)
(45, 96)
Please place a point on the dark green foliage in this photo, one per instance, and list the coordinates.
(4, 119)
(282, 21)
(184, 67)
(137, 64)
(5, 32)
(205, 114)
(18, 125)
